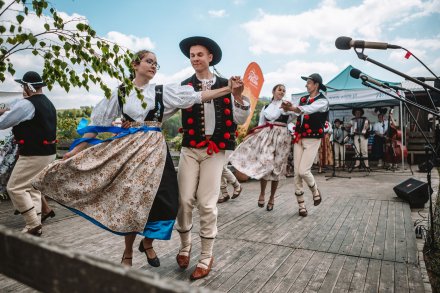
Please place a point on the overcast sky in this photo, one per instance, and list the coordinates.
(286, 38)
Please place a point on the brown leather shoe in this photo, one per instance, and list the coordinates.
(303, 212)
(223, 199)
(237, 192)
(183, 260)
(36, 231)
(317, 199)
(201, 272)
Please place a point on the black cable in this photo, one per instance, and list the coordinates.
(421, 62)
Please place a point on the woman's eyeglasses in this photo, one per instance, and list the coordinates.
(153, 63)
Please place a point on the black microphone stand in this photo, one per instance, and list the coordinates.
(430, 152)
(328, 177)
(364, 57)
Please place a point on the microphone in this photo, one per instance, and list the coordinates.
(356, 73)
(345, 43)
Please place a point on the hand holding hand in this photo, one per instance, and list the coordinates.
(237, 88)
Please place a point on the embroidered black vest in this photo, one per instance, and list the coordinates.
(155, 114)
(193, 118)
(312, 125)
(37, 137)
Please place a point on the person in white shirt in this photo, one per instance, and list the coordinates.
(339, 146)
(264, 152)
(209, 130)
(312, 113)
(380, 129)
(126, 184)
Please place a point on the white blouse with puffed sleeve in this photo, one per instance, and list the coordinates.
(175, 96)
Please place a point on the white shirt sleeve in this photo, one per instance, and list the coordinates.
(273, 111)
(240, 115)
(262, 119)
(21, 110)
(106, 111)
(176, 96)
(320, 105)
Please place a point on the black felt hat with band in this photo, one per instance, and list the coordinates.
(213, 48)
(316, 78)
(31, 79)
(357, 109)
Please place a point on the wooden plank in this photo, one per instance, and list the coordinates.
(326, 244)
(332, 274)
(224, 261)
(352, 232)
(296, 234)
(291, 277)
(346, 275)
(390, 236)
(320, 231)
(400, 278)
(356, 247)
(415, 281)
(321, 271)
(359, 276)
(259, 274)
(381, 228)
(400, 243)
(386, 281)
(410, 236)
(307, 273)
(247, 267)
(368, 241)
(243, 260)
(345, 228)
(373, 274)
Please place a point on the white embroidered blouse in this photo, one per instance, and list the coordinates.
(175, 96)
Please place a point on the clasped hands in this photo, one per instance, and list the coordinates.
(288, 106)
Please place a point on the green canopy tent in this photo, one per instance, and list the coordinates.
(345, 93)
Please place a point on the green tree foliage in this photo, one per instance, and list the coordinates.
(66, 128)
(74, 55)
(171, 126)
(256, 116)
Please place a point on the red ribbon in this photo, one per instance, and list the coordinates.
(268, 124)
(212, 147)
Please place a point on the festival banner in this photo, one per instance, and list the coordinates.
(253, 82)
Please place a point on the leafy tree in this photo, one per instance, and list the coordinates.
(74, 55)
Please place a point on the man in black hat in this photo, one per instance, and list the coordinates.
(312, 113)
(33, 121)
(208, 131)
(339, 146)
(360, 130)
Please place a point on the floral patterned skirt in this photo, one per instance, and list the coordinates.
(127, 185)
(263, 154)
(8, 158)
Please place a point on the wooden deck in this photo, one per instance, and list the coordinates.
(360, 239)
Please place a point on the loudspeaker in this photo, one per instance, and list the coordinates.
(413, 191)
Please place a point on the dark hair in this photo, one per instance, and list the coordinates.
(275, 87)
(137, 57)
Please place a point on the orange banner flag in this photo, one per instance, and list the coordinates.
(253, 82)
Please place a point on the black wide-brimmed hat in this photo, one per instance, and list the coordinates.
(357, 109)
(209, 44)
(316, 78)
(31, 79)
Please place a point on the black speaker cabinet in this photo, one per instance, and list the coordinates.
(413, 191)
